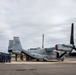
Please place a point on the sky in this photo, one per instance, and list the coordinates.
(29, 19)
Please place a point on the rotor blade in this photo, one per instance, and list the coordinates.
(43, 41)
(72, 34)
(74, 47)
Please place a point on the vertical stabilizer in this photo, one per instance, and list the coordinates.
(10, 47)
(16, 44)
(72, 34)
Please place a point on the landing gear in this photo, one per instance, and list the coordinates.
(27, 58)
(62, 59)
(37, 59)
(44, 60)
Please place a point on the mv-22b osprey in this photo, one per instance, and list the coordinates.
(58, 52)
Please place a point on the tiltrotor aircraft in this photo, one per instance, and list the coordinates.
(58, 52)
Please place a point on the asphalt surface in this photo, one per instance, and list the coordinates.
(67, 67)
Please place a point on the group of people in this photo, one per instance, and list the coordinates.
(5, 57)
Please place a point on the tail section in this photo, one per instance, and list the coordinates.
(10, 47)
(15, 45)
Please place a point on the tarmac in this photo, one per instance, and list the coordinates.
(66, 67)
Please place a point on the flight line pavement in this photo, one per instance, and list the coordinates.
(67, 67)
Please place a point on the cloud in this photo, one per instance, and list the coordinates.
(29, 19)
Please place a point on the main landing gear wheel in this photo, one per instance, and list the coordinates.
(62, 59)
(37, 59)
(44, 60)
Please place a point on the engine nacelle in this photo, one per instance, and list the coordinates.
(63, 47)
